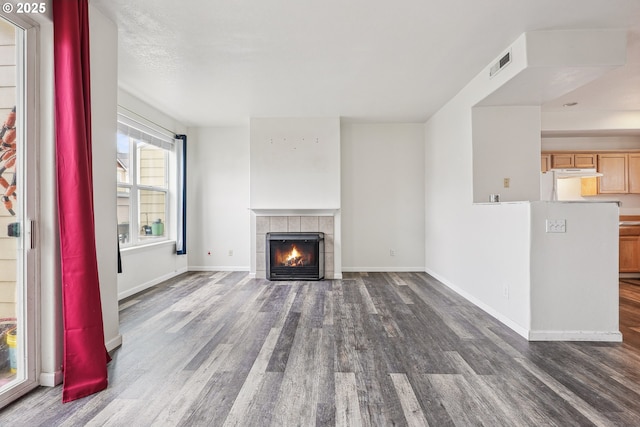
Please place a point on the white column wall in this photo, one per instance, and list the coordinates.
(574, 275)
(104, 89)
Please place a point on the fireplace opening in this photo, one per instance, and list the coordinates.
(295, 256)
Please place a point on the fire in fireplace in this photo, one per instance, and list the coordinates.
(295, 256)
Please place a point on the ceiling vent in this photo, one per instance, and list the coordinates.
(500, 64)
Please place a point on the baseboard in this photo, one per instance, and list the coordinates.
(51, 379)
(524, 332)
(147, 285)
(601, 336)
(217, 268)
(383, 269)
(114, 343)
(613, 336)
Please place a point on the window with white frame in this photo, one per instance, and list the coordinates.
(144, 168)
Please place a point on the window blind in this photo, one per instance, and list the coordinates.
(144, 133)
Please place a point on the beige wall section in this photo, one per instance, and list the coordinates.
(7, 102)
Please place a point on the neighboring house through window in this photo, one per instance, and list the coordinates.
(145, 165)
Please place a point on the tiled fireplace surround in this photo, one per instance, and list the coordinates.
(293, 223)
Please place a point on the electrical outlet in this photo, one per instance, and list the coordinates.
(556, 226)
(230, 253)
(507, 182)
(392, 252)
(505, 291)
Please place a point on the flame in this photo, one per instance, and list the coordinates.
(293, 259)
(293, 254)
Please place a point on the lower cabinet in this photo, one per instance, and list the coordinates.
(629, 254)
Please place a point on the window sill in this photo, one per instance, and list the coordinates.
(147, 246)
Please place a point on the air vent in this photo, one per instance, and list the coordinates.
(502, 62)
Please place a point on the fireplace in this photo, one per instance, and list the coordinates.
(295, 256)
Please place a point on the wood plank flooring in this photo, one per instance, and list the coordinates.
(630, 311)
(377, 349)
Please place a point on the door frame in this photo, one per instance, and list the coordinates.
(28, 310)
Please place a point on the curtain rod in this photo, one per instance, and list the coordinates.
(173, 133)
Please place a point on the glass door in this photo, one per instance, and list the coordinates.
(17, 266)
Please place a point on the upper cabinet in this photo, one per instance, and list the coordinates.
(545, 162)
(573, 160)
(614, 167)
(583, 160)
(621, 170)
(634, 173)
(562, 160)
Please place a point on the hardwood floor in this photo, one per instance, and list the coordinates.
(630, 312)
(378, 349)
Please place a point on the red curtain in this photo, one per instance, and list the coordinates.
(85, 356)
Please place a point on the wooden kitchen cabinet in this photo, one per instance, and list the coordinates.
(574, 160)
(629, 249)
(629, 254)
(620, 169)
(587, 161)
(545, 162)
(562, 160)
(634, 173)
(614, 167)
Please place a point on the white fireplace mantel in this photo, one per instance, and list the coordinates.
(296, 212)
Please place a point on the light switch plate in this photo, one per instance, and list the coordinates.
(556, 226)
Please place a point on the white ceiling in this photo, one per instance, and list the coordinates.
(219, 62)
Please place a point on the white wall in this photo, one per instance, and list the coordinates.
(104, 87)
(295, 163)
(148, 114)
(382, 197)
(595, 142)
(590, 121)
(574, 275)
(146, 266)
(477, 250)
(218, 198)
(507, 150)
(484, 251)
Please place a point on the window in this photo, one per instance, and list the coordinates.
(144, 167)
